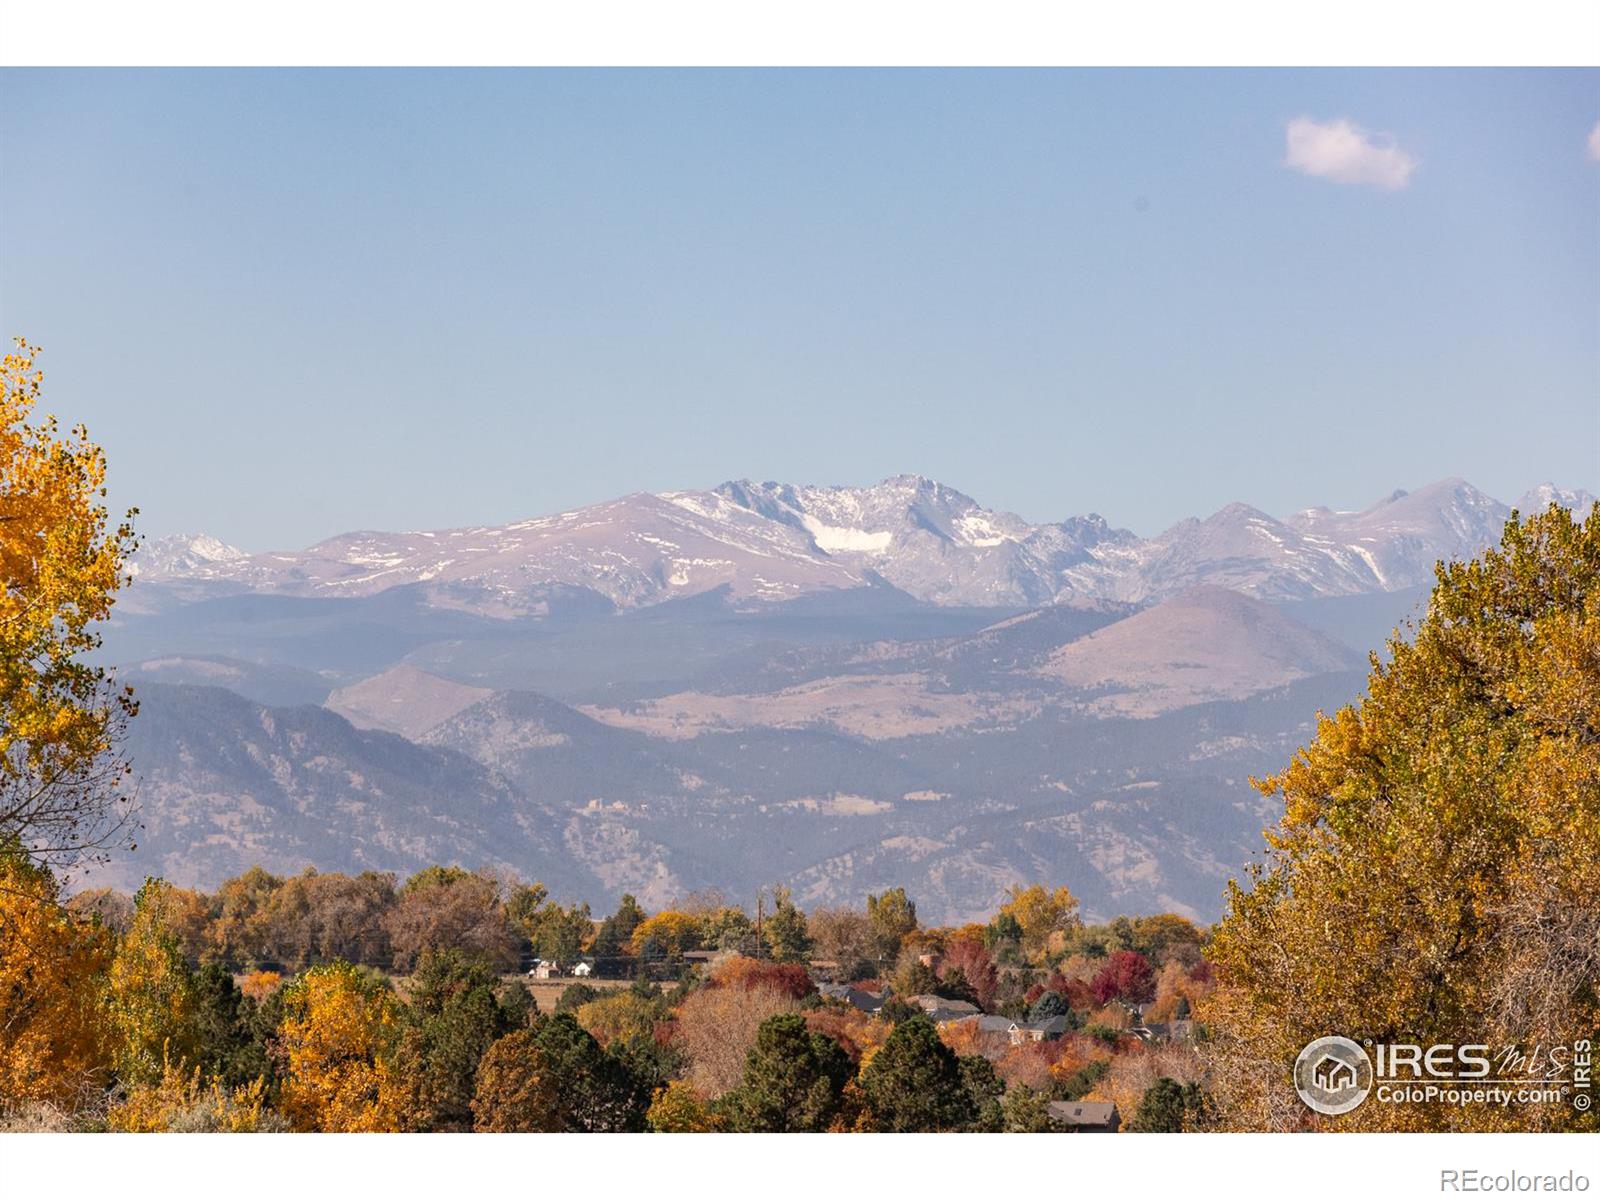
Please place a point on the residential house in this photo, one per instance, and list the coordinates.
(1047, 1029)
(867, 1002)
(1086, 1116)
(988, 1024)
(940, 1010)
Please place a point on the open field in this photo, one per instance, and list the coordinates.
(548, 991)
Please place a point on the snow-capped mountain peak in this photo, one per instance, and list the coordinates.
(772, 541)
(1542, 497)
(182, 554)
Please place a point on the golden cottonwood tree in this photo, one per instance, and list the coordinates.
(55, 1047)
(340, 1027)
(1040, 913)
(1434, 876)
(666, 934)
(60, 564)
(151, 1000)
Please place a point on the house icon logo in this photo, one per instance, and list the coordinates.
(1333, 1075)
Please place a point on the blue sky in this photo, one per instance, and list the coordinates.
(295, 303)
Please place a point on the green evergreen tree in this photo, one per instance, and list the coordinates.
(453, 1015)
(223, 1021)
(985, 1088)
(615, 934)
(792, 1080)
(1027, 1111)
(1167, 1107)
(954, 986)
(1051, 1004)
(914, 1083)
(599, 1093)
(785, 931)
(575, 995)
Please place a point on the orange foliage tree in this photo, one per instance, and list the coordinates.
(1041, 914)
(55, 1047)
(666, 935)
(678, 1108)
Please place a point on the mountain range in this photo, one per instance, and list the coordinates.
(841, 689)
(772, 542)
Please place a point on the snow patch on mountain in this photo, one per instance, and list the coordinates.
(832, 539)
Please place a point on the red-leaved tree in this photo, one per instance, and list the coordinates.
(973, 961)
(1126, 976)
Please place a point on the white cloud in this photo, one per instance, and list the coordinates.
(1594, 142)
(1345, 153)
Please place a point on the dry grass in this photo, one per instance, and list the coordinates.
(36, 1118)
(548, 991)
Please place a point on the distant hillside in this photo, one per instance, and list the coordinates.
(224, 783)
(1100, 745)
(1207, 644)
(403, 700)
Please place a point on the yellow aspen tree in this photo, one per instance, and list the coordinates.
(151, 1001)
(1040, 913)
(61, 784)
(339, 1029)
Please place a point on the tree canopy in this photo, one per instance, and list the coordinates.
(61, 563)
(1433, 876)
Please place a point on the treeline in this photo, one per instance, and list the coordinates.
(331, 1002)
(260, 921)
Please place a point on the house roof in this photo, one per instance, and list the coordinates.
(928, 1003)
(1084, 1112)
(948, 1016)
(1056, 1024)
(989, 1024)
(866, 1001)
